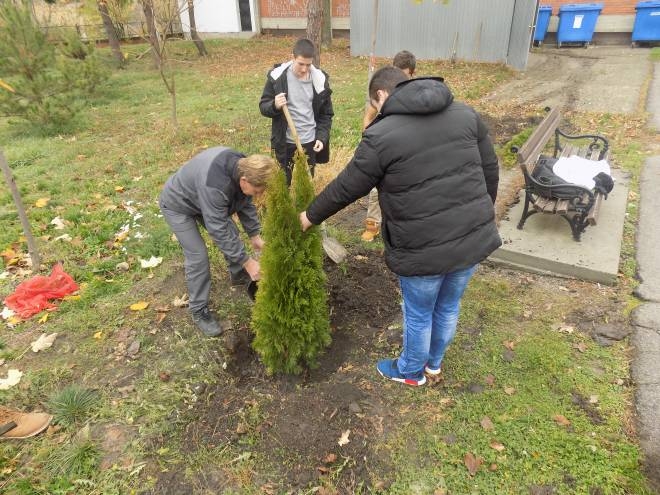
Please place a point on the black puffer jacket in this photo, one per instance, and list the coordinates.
(436, 172)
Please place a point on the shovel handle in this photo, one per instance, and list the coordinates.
(292, 128)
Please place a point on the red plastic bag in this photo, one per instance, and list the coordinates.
(31, 296)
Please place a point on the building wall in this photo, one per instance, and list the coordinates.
(610, 7)
(298, 8)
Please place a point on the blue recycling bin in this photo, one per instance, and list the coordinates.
(647, 21)
(577, 22)
(542, 21)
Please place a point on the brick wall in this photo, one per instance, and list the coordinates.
(298, 8)
(610, 7)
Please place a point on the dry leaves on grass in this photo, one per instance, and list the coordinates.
(343, 440)
(13, 377)
(139, 306)
(487, 424)
(561, 420)
(472, 463)
(494, 444)
(43, 342)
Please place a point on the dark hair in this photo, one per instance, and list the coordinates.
(405, 60)
(386, 78)
(303, 48)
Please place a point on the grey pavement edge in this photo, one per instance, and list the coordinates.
(646, 318)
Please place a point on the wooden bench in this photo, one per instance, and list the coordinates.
(578, 205)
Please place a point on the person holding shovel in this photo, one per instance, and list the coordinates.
(407, 62)
(208, 190)
(305, 90)
(436, 172)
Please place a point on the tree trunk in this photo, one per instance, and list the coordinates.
(148, 9)
(110, 32)
(314, 22)
(193, 30)
(27, 231)
(326, 32)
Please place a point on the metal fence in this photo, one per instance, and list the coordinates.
(475, 30)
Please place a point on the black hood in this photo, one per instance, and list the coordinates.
(418, 96)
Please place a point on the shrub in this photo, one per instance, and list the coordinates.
(290, 316)
(46, 84)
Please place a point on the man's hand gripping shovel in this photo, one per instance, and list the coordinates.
(335, 251)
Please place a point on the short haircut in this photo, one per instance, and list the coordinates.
(257, 169)
(405, 60)
(303, 48)
(386, 79)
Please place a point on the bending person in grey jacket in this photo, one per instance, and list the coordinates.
(207, 191)
(436, 172)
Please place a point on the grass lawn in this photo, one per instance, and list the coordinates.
(529, 403)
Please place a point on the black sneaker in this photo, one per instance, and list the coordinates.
(206, 322)
(241, 278)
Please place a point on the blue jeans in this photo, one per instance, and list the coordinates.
(431, 305)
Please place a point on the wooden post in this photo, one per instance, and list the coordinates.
(27, 231)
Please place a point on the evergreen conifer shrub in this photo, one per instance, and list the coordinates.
(290, 317)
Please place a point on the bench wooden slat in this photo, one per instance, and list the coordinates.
(562, 206)
(593, 214)
(534, 145)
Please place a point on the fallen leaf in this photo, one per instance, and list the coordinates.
(134, 348)
(561, 420)
(151, 262)
(13, 377)
(180, 302)
(472, 463)
(323, 469)
(343, 440)
(581, 346)
(509, 390)
(43, 342)
(7, 313)
(160, 318)
(566, 329)
(41, 202)
(8, 254)
(71, 297)
(492, 467)
(122, 266)
(593, 399)
(58, 223)
(137, 179)
(119, 189)
(509, 344)
(139, 306)
(63, 237)
(98, 335)
(330, 458)
(490, 379)
(487, 424)
(494, 444)
(164, 376)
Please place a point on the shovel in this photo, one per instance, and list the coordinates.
(335, 251)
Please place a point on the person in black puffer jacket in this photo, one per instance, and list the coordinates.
(436, 172)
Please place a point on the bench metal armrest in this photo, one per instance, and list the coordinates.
(597, 143)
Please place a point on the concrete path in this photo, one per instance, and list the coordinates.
(646, 318)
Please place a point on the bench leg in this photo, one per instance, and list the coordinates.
(526, 213)
(578, 225)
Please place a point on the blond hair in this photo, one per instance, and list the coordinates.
(257, 169)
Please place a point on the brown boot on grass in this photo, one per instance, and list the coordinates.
(372, 229)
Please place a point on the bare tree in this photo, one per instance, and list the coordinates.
(27, 231)
(110, 32)
(193, 30)
(326, 32)
(314, 24)
(156, 51)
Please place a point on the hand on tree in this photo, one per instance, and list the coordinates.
(304, 221)
(252, 267)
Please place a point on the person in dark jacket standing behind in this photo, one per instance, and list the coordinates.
(436, 172)
(208, 190)
(306, 91)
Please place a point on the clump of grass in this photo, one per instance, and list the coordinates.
(508, 157)
(73, 405)
(78, 458)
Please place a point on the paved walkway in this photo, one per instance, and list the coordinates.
(646, 318)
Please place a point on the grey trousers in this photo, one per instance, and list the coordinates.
(195, 257)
